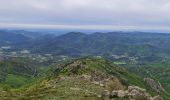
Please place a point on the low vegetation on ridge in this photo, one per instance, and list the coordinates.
(85, 79)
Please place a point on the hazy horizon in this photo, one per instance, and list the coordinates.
(114, 15)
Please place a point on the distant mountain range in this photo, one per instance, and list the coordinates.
(141, 53)
(143, 44)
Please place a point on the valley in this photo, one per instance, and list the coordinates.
(84, 50)
(76, 65)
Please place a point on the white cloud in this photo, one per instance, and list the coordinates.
(87, 12)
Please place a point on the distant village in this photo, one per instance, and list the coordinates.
(5, 51)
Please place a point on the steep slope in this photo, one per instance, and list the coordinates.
(158, 71)
(86, 79)
(18, 72)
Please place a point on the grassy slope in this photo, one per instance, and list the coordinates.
(158, 71)
(72, 86)
(19, 72)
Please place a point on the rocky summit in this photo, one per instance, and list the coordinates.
(85, 79)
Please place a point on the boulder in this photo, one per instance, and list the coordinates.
(132, 93)
(157, 98)
(154, 85)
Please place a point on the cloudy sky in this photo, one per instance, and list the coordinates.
(86, 14)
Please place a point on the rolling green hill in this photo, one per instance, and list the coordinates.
(141, 53)
(17, 72)
(145, 45)
(85, 79)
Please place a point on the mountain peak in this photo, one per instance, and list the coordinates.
(89, 65)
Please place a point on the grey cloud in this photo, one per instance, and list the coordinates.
(86, 12)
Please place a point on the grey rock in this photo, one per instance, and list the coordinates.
(154, 85)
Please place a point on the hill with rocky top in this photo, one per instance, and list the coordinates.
(85, 79)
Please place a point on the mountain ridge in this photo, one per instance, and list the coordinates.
(86, 79)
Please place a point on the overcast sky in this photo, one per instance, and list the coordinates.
(86, 14)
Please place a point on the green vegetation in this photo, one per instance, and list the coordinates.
(16, 81)
(19, 72)
(142, 55)
(74, 80)
(157, 71)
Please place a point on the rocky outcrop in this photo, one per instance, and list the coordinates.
(112, 80)
(157, 98)
(132, 93)
(154, 85)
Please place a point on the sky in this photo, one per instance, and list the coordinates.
(86, 14)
